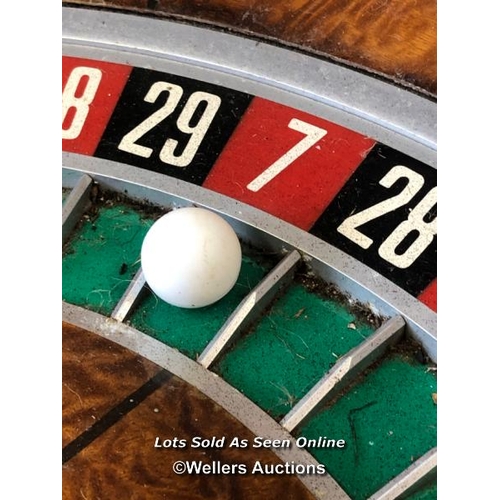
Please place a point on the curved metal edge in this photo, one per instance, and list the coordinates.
(266, 231)
(409, 479)
(77, 202)
(344, 370)
(323, 487)
(384, 112)
(250, 307)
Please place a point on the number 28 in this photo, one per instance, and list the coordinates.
(415, 223)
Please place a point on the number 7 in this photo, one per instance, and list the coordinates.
(313, 135)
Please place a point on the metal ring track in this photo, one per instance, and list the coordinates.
(391, 115)
(266, 231)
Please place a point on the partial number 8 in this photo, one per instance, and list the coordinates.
(78, 100)
(415, 222)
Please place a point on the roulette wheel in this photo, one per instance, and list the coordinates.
(311, 129)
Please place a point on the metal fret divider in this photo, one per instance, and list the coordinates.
(76, 204)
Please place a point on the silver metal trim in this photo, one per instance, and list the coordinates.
(422, 468)
(266, 231)
(347, 367)
(389, 114)
(250, 308)
(244, 410)
(130, 297)
(75, 205)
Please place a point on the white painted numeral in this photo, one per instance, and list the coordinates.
(415, 222)
(313, 135)
(129, 141)
(349, 227)
(196, 131)
(81, 103)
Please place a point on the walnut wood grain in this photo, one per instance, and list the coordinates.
(396, 39)
(96, 376)
(121, 461)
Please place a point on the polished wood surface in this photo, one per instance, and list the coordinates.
(93, 379)
(115, 404)
(395, 39)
